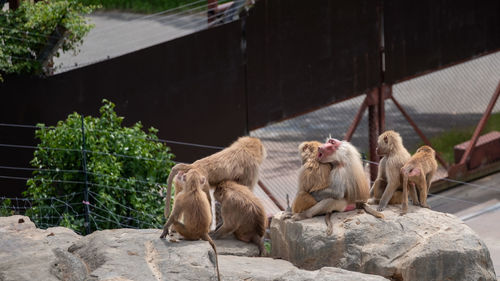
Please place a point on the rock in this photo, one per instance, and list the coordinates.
(28, 253)
(421, 245)
(261, 269)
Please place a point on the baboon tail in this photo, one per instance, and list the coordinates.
(171, 176)
(371, 211)
(211, 242)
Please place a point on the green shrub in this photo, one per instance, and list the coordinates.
(126, 171)
(26, 31)
(147, 6)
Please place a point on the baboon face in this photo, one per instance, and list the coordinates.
(326, 152)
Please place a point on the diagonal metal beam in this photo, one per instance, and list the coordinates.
(419, 132)
(480, 125)
(356, 120)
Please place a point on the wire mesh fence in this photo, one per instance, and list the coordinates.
(442, 102)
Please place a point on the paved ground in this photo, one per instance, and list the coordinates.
(117, 33)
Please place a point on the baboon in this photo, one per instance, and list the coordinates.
(419, 170)
(239, 162)
(387, 188)
(313, 176)
(192, 205)
(242, 214)
(348, 182)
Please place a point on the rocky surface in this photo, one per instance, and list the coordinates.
(28, 253)
(421, 245)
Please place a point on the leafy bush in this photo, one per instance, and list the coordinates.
(126, 170)
(26, 31)
(147, 6)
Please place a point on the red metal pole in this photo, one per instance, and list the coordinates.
(270, 195)
(373, 132)
(480, 125)
(356, 120)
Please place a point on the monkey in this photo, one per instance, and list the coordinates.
(239, 162)
(242, 214)
(192, 204)
(387, 186)
(348, 183)
(419, 170)
(313, 176)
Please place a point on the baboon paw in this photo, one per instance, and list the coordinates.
(380, 209)
(416, 203)
(426, 206)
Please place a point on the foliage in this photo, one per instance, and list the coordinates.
(148, 6)
(5, 208)
(26, 31)
(445, 142)
(126, 169)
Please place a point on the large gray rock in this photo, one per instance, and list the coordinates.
(421, 245)
(28, 253)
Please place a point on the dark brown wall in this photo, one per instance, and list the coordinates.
(190, 88)
(304, 55)
(426, 35)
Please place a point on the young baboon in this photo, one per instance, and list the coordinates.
(313, 176)
(192, 205)
(239, 162)
(242, 214)
(348, 184)
(387, 188)
(419, 170)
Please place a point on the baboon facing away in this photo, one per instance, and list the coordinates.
(239, 162)
(242, 214)
(419, 170)
(387, 188)
(192, 205)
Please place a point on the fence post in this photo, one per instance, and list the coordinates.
(86, 190)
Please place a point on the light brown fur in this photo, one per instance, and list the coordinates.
(387, 188)
(419, 170)
(313, 176)
(348, 182)
(192, 205)
(242, 214)
(239, 162)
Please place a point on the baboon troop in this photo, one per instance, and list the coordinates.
(239, 162)
(331, 178)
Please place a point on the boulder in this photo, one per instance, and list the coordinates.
(421, 245)
(28, 253)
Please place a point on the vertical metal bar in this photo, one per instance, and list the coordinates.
(86, 190)
(373, 135)
(480, 125)
(419, 132)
